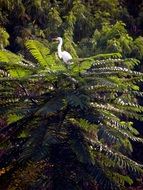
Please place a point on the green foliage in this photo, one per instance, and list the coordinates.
(138, 47)
(69, 127)
(101, 27)
(8, 57)
(113, 39)
(4, 36)
(39, 52)
(73, 119)
(13, 118)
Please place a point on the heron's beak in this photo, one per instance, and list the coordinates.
(54, 39)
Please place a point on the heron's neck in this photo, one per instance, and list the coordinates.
(60, 49)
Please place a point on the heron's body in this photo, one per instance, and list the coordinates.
(64, 55)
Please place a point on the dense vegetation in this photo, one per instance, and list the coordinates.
(70, 127)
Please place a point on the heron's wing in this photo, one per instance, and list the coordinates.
(66, 56)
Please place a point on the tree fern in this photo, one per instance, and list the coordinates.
(71, 122)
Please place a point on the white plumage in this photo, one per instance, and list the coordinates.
(64, 55)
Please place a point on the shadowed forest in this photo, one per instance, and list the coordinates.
(71, 120)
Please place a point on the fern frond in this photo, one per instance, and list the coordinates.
(10, 60)
(102, 56)
(4, 73)
(40, 52)
(11, 129)
(122, 179)
(78, 145)
(54, 105)
(121, 160)
(99, 175)
(33, 149)
(129, 105)
(128, 62)
(106, 107)
(107, 135)
(105, 132)
(117, 69)
(9, 57)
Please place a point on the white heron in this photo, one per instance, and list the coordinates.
(64, 55)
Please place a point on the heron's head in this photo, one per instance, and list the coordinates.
(59, 39)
